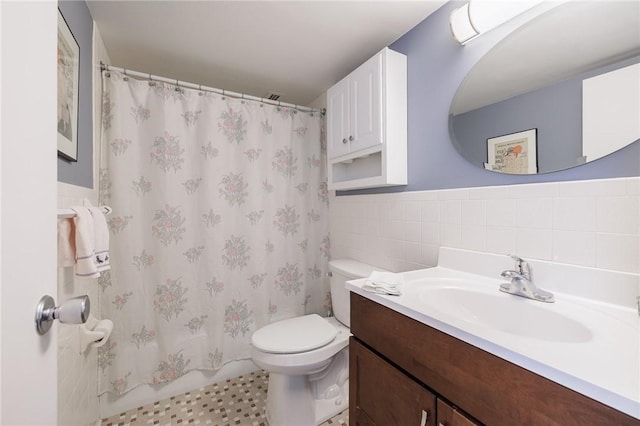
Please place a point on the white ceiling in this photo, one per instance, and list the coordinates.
(295, 48)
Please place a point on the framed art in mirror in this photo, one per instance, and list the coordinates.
(68, 82)
(515, 153)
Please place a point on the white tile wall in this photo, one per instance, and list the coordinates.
(77, 372)
(591, 223)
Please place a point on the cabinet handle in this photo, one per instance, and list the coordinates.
(425, 417)
(344, 140)
(350, 138)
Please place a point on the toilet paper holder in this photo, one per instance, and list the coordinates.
(94, 333)
(73, 311)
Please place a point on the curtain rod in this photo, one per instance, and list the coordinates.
(178, 83)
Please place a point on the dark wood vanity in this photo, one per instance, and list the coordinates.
(403, 372)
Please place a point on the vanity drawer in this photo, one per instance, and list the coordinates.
(492, 390)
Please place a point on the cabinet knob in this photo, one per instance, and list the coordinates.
(350, 138)
(344, 140)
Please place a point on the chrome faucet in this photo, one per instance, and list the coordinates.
(521, 282)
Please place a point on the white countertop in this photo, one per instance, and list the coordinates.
(605, 366)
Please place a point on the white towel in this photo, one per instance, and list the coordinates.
(66, 243)
(384, 283)
(85, 244)
(101, 239)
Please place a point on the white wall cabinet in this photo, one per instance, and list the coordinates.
(367, 125)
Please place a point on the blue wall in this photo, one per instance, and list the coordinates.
(80, 22)
(437, 64)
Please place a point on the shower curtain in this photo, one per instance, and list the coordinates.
(219, 226)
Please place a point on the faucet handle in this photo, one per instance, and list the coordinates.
(521, 265)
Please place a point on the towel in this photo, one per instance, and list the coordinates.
(384, 283)
(66, 243)
(101, 239)
(85, 244)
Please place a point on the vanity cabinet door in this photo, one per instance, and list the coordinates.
(380, 394)
(450, 416)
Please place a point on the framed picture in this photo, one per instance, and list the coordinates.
(68, 81)
(515, 153)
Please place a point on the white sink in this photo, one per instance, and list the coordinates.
(500, 311)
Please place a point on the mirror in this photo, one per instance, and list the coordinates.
(562, 90)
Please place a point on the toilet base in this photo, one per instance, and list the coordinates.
(309, 400)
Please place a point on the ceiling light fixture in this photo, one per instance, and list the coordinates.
(479, 16)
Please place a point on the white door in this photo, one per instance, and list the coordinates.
(366, 103)
(28, 208)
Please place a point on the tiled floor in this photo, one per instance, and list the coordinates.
(236, 402)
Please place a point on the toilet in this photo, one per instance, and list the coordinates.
(307, 357)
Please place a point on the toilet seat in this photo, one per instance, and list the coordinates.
(294, 335)
(303, 363)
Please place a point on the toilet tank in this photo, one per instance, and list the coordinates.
(343, 270)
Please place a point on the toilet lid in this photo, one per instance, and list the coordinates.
(293, 335)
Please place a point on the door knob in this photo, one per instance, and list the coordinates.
(73, 311)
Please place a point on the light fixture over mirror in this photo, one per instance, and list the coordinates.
(564, 86)
(479, 16)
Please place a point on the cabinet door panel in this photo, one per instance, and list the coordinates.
(366, 101)
(338, 119)
(380, 394)
(449, 416)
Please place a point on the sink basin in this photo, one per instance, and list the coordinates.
(498, 311)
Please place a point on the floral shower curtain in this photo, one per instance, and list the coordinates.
(219, 226)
